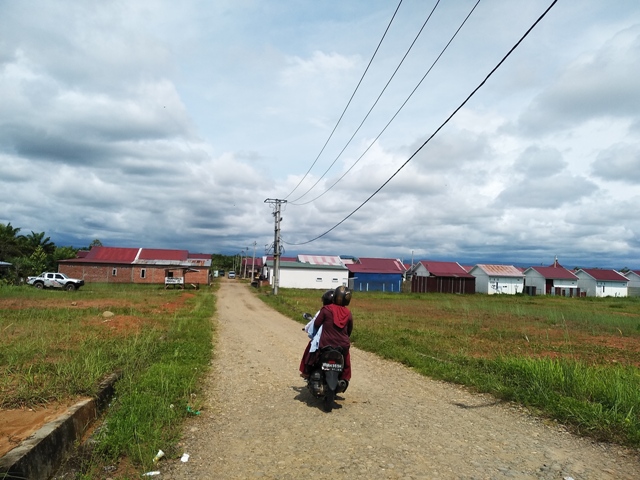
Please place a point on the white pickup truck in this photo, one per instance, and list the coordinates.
(55, 280)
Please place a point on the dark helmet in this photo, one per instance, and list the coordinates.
(342, 296)
(327, 297)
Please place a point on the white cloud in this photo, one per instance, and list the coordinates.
(168, 125)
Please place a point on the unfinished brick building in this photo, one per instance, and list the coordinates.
(139, 265)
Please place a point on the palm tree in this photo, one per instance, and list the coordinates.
(9, 241)
(31, 242)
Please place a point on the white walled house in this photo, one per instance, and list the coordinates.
(492, 279)
(597, 282)
(633, 287)
(295, 274)
(554, 280)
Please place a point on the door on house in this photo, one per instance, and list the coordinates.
(549, 286)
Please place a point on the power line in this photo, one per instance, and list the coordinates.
(475, 90)
(392, 118)
(293, 202)
(349, 102)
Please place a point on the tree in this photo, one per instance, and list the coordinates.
(64, 253)
(31, 242)
(38, 261)
(9, 241)
(95, 243)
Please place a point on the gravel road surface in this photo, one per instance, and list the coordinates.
(259, 421)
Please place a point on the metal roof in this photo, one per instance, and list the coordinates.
(110, 255)
(557, 273)
(257, 261)
(501, 270)
(445, 269)
(377, 265)
(307, 266)
(605, 275)
(163, 254)
(142, 256)
(321, 259)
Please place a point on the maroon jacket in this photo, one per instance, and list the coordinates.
(337, 325)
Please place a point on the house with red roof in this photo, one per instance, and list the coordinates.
(492, 279)
(139, 265)
(596, 282)
(376, 274)
(551, 280)
(441, 277)
(251, 267)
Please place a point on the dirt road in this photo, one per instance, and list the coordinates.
(260, 422)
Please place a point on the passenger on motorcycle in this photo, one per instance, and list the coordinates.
(337, 324)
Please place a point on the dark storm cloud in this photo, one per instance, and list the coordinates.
(37, 143)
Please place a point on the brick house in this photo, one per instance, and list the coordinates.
(138, 265)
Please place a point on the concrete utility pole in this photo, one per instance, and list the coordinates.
(253, 263)
(276, 242)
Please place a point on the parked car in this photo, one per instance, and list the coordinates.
(55, 280)
(232, 275)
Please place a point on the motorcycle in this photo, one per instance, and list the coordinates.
(324, 380)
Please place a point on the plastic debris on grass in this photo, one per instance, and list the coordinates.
(192, 411)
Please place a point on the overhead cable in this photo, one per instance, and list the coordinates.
(293, 202)
(392, 118)
(475, 90)
(349, 102)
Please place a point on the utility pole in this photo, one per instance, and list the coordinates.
(276, 242)
(253, 263)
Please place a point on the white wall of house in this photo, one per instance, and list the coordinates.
(535, 279)
(325, 278)
(419, 270)
(491, 284)
(600, 288)
(633, 287)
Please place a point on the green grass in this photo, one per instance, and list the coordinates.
(161, 390)
(57, 346)
(574, 360)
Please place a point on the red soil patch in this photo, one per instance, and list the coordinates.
(17, 425)
(119, 324)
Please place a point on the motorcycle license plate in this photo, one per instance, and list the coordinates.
(332, 366)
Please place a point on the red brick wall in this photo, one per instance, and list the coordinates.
(128, 273)
(98, 273)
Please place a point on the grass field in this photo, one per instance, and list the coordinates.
(573, 360)
(57, 346)
(576, 360)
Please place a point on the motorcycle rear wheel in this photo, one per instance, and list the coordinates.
(329, 400)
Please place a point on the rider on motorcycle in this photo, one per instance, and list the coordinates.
(337, 324)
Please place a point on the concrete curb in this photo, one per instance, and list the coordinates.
(37, 457)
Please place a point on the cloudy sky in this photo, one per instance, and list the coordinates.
(168, 124)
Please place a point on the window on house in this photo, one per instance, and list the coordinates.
(334, 280)
(143, 273)
(114, 272)
(319, 279)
